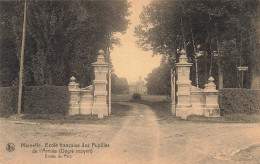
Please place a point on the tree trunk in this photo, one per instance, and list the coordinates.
(220, 72)
(50, 80)
(21, 64)
(211, 55)
(183, 36)
(220, 76)
(206, 70)
(195, 56)
(253, 79)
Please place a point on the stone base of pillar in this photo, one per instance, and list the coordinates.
(100, 109)
(86, 102)
(86, 108)
(212, 111)
(183, 112)
(101, 112)
(198, 109)
(173, 109)
(73, 110)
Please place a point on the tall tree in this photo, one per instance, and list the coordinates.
(63, 37)
(218, 26)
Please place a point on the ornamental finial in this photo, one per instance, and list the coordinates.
(211, 79)
(72, 79)
(183, 52)
(101, 52)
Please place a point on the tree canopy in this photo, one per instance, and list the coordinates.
(159, 81)
(226, 31)
(62, 38)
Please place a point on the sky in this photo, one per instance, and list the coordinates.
(128, 60)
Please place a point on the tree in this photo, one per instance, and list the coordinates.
(9, 63)
(218, 26)
(103, 20)
(63, 37)
(119, 85)
(158, 81)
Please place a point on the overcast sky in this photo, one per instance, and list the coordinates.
(128, 60)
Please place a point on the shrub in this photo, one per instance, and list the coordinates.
(136, 96)
(239, 100)
(36, 99)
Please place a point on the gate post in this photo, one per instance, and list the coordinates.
(211, 106)
(100, 86)
(74, 96)
(183, 107)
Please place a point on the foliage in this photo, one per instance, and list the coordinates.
(226, 30)
(237, 100)
(158, 81)
(62, 38)
(36, 99)
(136, 97)
(119, 85)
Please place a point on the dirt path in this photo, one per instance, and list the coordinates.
(184, 142)
(137, 141)
(140, 138)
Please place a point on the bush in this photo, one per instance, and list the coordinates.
(36, 99)
(239, 100)
(136, 96)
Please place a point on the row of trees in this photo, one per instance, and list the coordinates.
(119, 85)
(62, 39)
(159, 81)
(226, 32)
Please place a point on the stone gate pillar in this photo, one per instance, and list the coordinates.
(100, 86)
(74, 96)
(211, 106)
(183, 106)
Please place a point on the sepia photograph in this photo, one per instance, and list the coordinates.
(130, 81)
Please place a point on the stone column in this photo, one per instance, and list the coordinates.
(183, 107)
(74, 96)
(211, 106)
(100, 86)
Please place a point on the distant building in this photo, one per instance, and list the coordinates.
(138, 87)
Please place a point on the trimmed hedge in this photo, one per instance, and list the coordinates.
(239, 100)
(36, 99)
(8, 100)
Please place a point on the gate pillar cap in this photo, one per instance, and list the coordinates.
(211, 86)
(73, 86)
(101, 56)
(183, 52)
(100, 60)
(101, 52)
(183, 58)
(73, 79)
